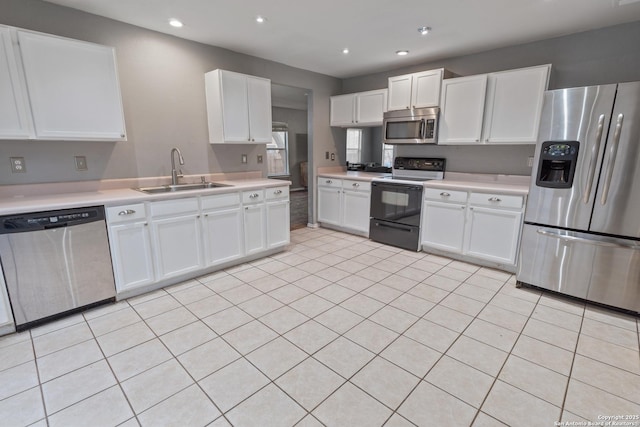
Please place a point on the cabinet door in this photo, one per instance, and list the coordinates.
(329, 205)
(425, 90)
(235, 106)
(399, 97)
(177, 244)
(493, 234)
(73, 88)
(254, 229)
(223, 236)
(355, 210)
(131, 255)
(370, 107)
(259, 93)
(514, 105)
(443, 226)
(14, 116)
(343, 110)
(6, 316)
(462, 110)
(277, 224)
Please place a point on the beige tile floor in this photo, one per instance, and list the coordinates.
(336, 331)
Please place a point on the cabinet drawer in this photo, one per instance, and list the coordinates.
(445, 195)
(220, 201)
(277, 193)
(252, 196)
(329, 182)
(349, 184)
(174, 207)
(496, 200)
(116, 214)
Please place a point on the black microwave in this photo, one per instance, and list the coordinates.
(413, 126)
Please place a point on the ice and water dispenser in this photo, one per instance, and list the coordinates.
(557, 164)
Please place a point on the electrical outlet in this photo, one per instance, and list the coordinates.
(333, 156)
(243, 158)
(530, 162)
(81, 163)
(259, 158)
(18, 165)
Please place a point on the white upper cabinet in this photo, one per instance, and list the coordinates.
(514, 105)
(359, 109)
(15, 122)
(343, 110)
(417, 90)
(462, 110)
(495, 108)
(57, 88)
(238, 108)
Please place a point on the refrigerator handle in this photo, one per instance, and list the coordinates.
(571, 239)
(595, 149)
(612, 159)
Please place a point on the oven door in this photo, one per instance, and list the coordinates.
(397, 203)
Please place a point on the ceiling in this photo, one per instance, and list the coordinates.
(312, 34)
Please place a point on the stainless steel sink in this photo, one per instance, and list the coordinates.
(180, 187)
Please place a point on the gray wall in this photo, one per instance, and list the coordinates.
(297, 122)
(162, 83)
(607, 55)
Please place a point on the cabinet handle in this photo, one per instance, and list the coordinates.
(495, 199)
(445, 194)
(408, 108)
(329, 181)
(355, 184)
(277, 192)
(127, 212)
(146, 224)
(253, 196)
(122, 135)
(477, 140)
(252, 139)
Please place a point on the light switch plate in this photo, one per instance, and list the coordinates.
(259, 158)
(530, 162)
(81, 163)
(18, 165)
(243, 158)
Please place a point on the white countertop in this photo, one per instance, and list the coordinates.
(32, 201)
(504, 184)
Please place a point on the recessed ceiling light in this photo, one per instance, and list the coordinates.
(260, 19)
(345, 50)
(402, 52)
(175, 23)
(424, 30)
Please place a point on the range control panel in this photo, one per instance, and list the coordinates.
(419, 163)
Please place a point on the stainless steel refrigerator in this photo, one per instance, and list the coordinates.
(581, 235)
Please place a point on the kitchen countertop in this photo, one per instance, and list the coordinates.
(24, 199)
(504, 184)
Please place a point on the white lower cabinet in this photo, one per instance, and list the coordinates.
(355, 210)
(130, 243)
(255, 233)
(329, 201)
(157, 243)
(222, 228)
(480, 226)
(344, 204)
(443, 225)
(177, 243)
(277, 211)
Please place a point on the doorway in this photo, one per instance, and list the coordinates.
(290, 112)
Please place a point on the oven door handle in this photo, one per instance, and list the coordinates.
(394, 226)
(423, 129)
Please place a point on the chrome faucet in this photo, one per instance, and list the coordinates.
(174, 173)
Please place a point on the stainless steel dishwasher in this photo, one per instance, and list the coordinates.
(55, 263)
